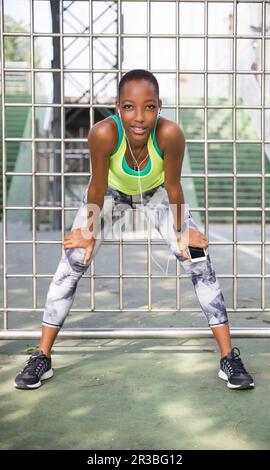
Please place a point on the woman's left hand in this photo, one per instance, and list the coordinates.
(191, 237)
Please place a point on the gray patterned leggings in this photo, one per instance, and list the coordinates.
(63, 287)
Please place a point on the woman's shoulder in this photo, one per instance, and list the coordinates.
(168, 131)
(104, 131)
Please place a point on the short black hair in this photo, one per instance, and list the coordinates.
(138, 74)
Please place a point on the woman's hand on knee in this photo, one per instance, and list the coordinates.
(79, 238)
(197, 239)
(191, 237)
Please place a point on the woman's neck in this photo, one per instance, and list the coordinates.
(137, 146)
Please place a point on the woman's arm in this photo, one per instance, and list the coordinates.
(174, 149)
(102, 139)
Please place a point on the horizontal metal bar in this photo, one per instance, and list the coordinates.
(44, 140)
(9, 173)
(131, 242)
(140, 310)
(142, 276)
(195, 209)
(40, 208)
(169, 106)
(84, 140)
(140, 333)
(183, 175)
(227, 141)
(102, 35)
(160, 71)
(175, 107)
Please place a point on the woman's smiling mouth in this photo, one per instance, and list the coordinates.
(138, 130)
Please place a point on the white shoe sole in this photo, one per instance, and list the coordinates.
(47, 375)
(224, 376)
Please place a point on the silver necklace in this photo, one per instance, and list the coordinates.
(133, 157)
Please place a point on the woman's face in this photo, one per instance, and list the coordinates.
(139, 106)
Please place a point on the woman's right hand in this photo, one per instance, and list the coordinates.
(77, 239)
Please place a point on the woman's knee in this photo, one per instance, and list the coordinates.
(75, 258)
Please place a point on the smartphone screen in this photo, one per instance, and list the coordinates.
(196, 252)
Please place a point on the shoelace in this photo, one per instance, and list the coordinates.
(33, 366)
(236, 362)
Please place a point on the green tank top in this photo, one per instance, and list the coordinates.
(125, 179)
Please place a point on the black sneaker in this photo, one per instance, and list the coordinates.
(38, 367)
(233, 371)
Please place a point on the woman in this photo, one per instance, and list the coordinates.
(136, 157)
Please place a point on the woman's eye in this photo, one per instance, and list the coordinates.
(129, 106)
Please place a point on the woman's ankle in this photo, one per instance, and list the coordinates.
(45, 352)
